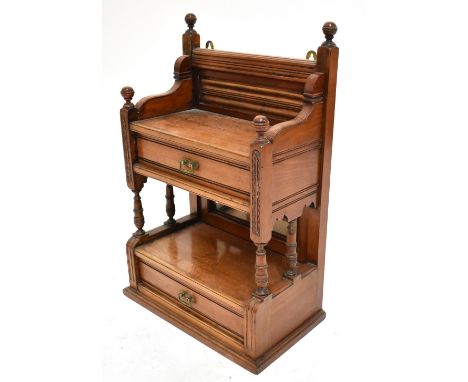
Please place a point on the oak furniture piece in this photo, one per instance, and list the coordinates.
(250, 138)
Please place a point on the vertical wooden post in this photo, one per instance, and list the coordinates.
(260, 201)
(327, 63)
(194, 203)
(291, 252)
(190, 39)
(170, 206)
(135, 182)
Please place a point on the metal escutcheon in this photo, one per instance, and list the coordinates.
(188, 166)
(186, 298)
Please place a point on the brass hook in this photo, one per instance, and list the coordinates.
(311, 52)
(209, 43)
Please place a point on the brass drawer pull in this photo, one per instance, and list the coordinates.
(188, 166)
(186, 298)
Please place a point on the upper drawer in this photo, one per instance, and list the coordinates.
(214, 170)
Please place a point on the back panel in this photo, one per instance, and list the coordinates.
(245, 85)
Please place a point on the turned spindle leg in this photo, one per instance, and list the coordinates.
(261, 271)
(170, 206)
(138, 217)
(291, 253)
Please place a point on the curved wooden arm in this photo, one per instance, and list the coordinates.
(178, 98)
(282, 128)
(306, 126)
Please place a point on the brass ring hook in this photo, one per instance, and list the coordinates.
(311, 52)
(210, 44)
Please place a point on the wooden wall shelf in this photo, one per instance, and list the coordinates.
(250, 138)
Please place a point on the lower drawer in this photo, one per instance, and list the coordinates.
(192, 300)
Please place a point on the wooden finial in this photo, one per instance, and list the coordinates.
(190, 39)
(127, 93)
(190, 19)
(261, 124)
(329, 29)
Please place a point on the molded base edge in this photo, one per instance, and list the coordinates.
(253, 365)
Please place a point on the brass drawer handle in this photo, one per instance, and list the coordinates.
(188, 166)
(186, 298)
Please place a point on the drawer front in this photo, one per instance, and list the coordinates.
(187, 297)
(217, 171)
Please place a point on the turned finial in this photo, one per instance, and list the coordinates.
(329, 29)
(261, 124)
(190, 19)
(127, 93)
(190, 39)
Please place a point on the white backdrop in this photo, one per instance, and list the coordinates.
(395, 286)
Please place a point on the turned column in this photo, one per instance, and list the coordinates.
(138, 217)
(261, 271)
(170, 206)
(291, 246)
(260, 201)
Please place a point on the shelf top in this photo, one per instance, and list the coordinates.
(215, 259)
(216, 132)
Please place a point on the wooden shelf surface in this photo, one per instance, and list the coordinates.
(225, 134)
(219, 261)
